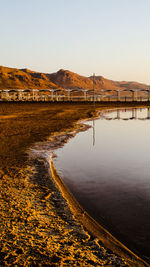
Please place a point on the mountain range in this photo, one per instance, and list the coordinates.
(13, 78)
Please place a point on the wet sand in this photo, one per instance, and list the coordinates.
(37, 227)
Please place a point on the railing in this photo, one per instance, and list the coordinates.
(51, 95)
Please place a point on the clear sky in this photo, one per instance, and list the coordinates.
(108, 37)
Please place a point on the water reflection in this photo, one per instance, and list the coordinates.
(110, 176)
(128, 114)
(93, 132)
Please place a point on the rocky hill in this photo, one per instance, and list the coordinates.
(24, 79)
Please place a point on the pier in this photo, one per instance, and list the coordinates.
(73, 95)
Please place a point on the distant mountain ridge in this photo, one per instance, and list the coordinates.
(13, 78)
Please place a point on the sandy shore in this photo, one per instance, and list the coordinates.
(37, 227)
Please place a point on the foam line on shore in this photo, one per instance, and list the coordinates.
(92, 226)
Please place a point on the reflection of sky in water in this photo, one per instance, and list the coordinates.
(112, 179)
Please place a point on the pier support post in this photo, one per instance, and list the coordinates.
(33, 95)
(135, 95)
(52, 95)
(68, 95)
(6, 95)
(132, 95)
(148, 95)
(102, 94)
(85, 93)
(118, 95)
(133, 111)
(148, 113)
(118, 114)
(19, 95)
(136, 113)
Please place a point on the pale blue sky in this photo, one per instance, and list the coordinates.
(108, 37)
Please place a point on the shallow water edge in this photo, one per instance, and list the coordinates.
(93, 227)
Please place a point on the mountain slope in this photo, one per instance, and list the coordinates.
(24, 79)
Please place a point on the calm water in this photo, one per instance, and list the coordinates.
(107, 168)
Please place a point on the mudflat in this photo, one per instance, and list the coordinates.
(37, 227)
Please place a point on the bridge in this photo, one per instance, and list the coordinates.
(74, 95)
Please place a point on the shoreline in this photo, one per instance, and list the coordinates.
(92, 226)
(37, 226)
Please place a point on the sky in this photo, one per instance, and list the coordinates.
(106, 37)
